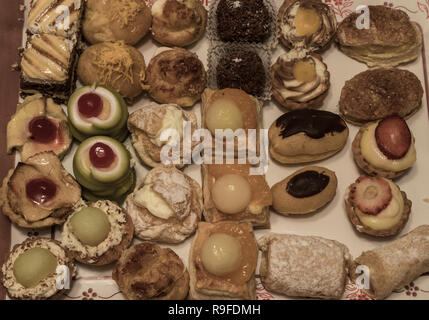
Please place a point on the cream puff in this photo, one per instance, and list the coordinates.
(147, 125)
(390, 39)
(34, 268)
(39, 192)
(376, 206)
(166, 207)
(385, 148)
(148, 272)
(306, 24)
(176, 76)
(232, 193)
(178, 23)
(116, 20)
(97, 233)
(114, 65)
(222, 262)
(300, 80)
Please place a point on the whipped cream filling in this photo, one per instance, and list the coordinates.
(387, 218)
(375, 156)
(289, 88)
(173, 120)
(117, 220)
(47, 287)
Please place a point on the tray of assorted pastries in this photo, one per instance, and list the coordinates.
(334, 94)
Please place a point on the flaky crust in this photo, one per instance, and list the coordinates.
(151, 228)
(139, 126)
(148, 272)
(395, 264)
(70, 265)
(113, 253)
(359, 226)
(113, 20)
(176, 76)
(391, 39)
(303, 266)
(377, 93)
(365, 166)
(180, 25)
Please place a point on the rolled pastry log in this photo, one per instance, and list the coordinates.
(303, 266)
(395, 264)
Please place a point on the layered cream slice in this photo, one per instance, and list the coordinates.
(300, 80)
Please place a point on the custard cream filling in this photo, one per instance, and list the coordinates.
(117, 221)
(390, 216)
(171, 123)
(375, 156)
(47, 287)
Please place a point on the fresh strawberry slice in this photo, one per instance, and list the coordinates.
(393, 137)
(371, 195)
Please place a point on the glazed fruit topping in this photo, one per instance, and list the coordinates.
(91, 226)
(90, 105)
(101, 155)
(393, 137)
(371, 195)
(40, 190)
(43, 130)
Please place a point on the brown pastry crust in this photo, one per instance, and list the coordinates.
(114, 65)
(180, 25)
(140, 126)
(261, 195)
(70, 265)
(205, 286)
(377, 93)
(277, 71)
(365, 166)
(390, 31)
(113, 253)
(113, 20)
(286, 204)
(354, 219)
(148, 272)
(176, 76)
(318, 6)
(172, 230)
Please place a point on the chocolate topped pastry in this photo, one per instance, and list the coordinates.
(306, 24)
(391, 39)
(241, 69)
(377, 93)
(300, 80)
(314, 123)
(243, 20)
(305, 191)
(306, 135)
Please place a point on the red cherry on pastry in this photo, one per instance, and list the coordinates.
(393, 137)
(42, 130)
(90, 105)
(371, 195)
(40, 190)
(101, 155)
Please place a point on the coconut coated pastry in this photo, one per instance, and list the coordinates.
(166, 207)
(147, 125)
(300, 80)
(176, 76)
(376, 206)
(307, 135)
(114, 65)
(178, 23)
(385, 148)
(39, 192)
(305, 191)
(306, 24)
(38, 125)
(116, 20)
(148, 272)
(391, 39)
(377, 93)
